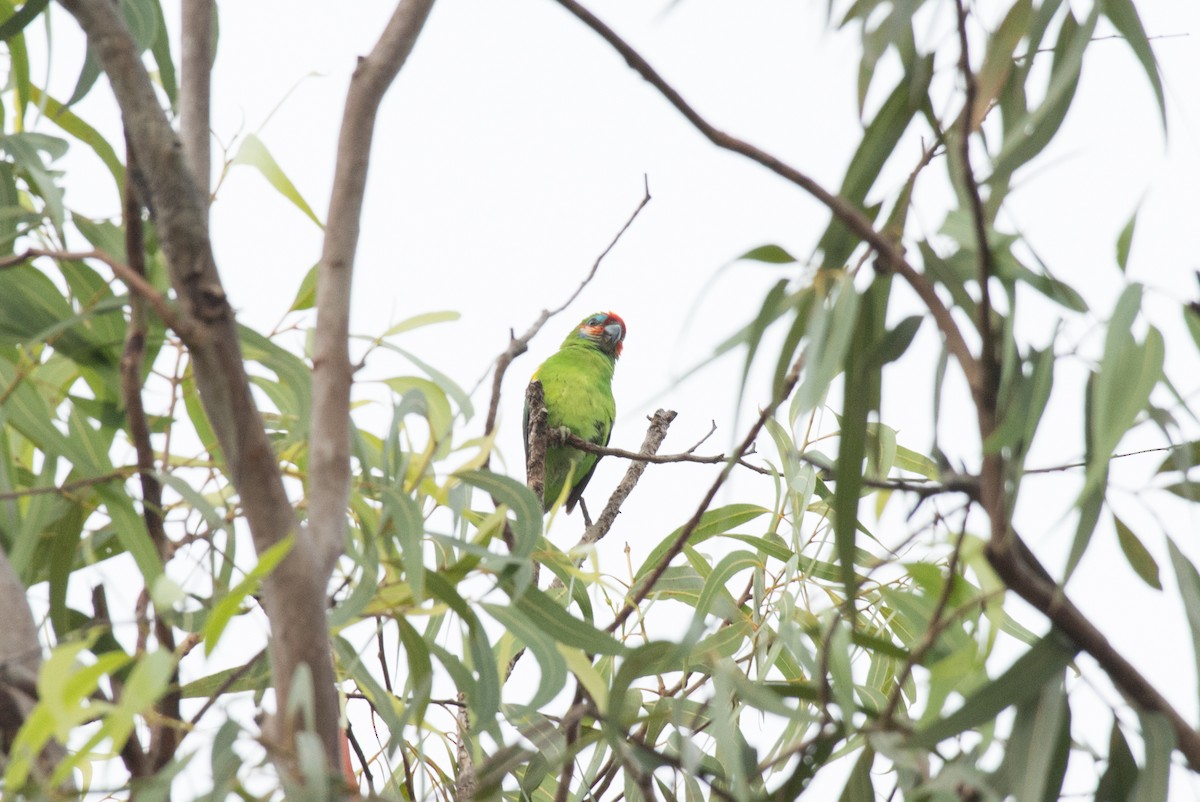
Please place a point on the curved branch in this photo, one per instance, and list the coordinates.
(194, 90)
(519, 345)
(329, 442)
(890, 253)
(294, 594)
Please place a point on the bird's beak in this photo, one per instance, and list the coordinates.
(613, 332)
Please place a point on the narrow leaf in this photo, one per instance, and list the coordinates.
(1142, 562)
(1189, 591)
(770, 254)
(1159, 739)
(1024, 678)
(1119, 777)
(255, 154)
(228, 606)
(1125, 241)
(1124, 17)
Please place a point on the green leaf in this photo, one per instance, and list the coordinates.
(564, 628)
(998, 61)
(228, 606)
(142, 20)
(878, 143)
(484, 694)
(1028, 137)
(1191, 318)
(772, 305)
(858, 786)
(1189, 590)
(21, 18)
(1159, 739)
(527, 528)
(420, 670)
(841, 676)
(724, 571)
(161, 49)
(306, 295)
(896, 341)
(713, 522)
(67, 120)
(1040, 743)
(1139, 558)
(1128, 373)
(1183, 456)
(1124, 17)
(1023, 679)
(87, 78)
(253, 675)
(553, 668)
(435, 406)
(1125, 241)
(770, 254)
(403, 512)
(830, 331)
(422, 320)
(384, 703)
(1119, 777)
(254, 153)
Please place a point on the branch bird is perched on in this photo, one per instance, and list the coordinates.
(577, 383)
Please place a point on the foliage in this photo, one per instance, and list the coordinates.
(790, 635)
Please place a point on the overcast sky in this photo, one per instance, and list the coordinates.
(513, 147)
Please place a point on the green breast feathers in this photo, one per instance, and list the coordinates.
(577, 383)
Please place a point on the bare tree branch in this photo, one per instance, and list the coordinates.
(1023, 574)
(1006, 552)
(135, 281)
(70, 487)
(655, 434)
(519, 345)
(992, 475)
(294, 594)
(890, 253)
(536, 436)
(20, 659)
(164, 736)
(329, 444)
(194, 84)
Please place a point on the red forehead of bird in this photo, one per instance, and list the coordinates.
(613, 317)
(597, 324)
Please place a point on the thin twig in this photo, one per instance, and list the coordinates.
(643, 588)
(132, 279)
(570, 735)
(519, 345)
(657, 432)
(164, 736)
(992, 474)
(1070, 465)
(70, 487)
(957, 483)
(891, 255)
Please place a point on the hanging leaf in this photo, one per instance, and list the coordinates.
(253, 153)
(1139, 558)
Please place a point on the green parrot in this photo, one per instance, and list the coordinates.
(577, 382)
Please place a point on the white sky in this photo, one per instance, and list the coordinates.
(513, 147)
